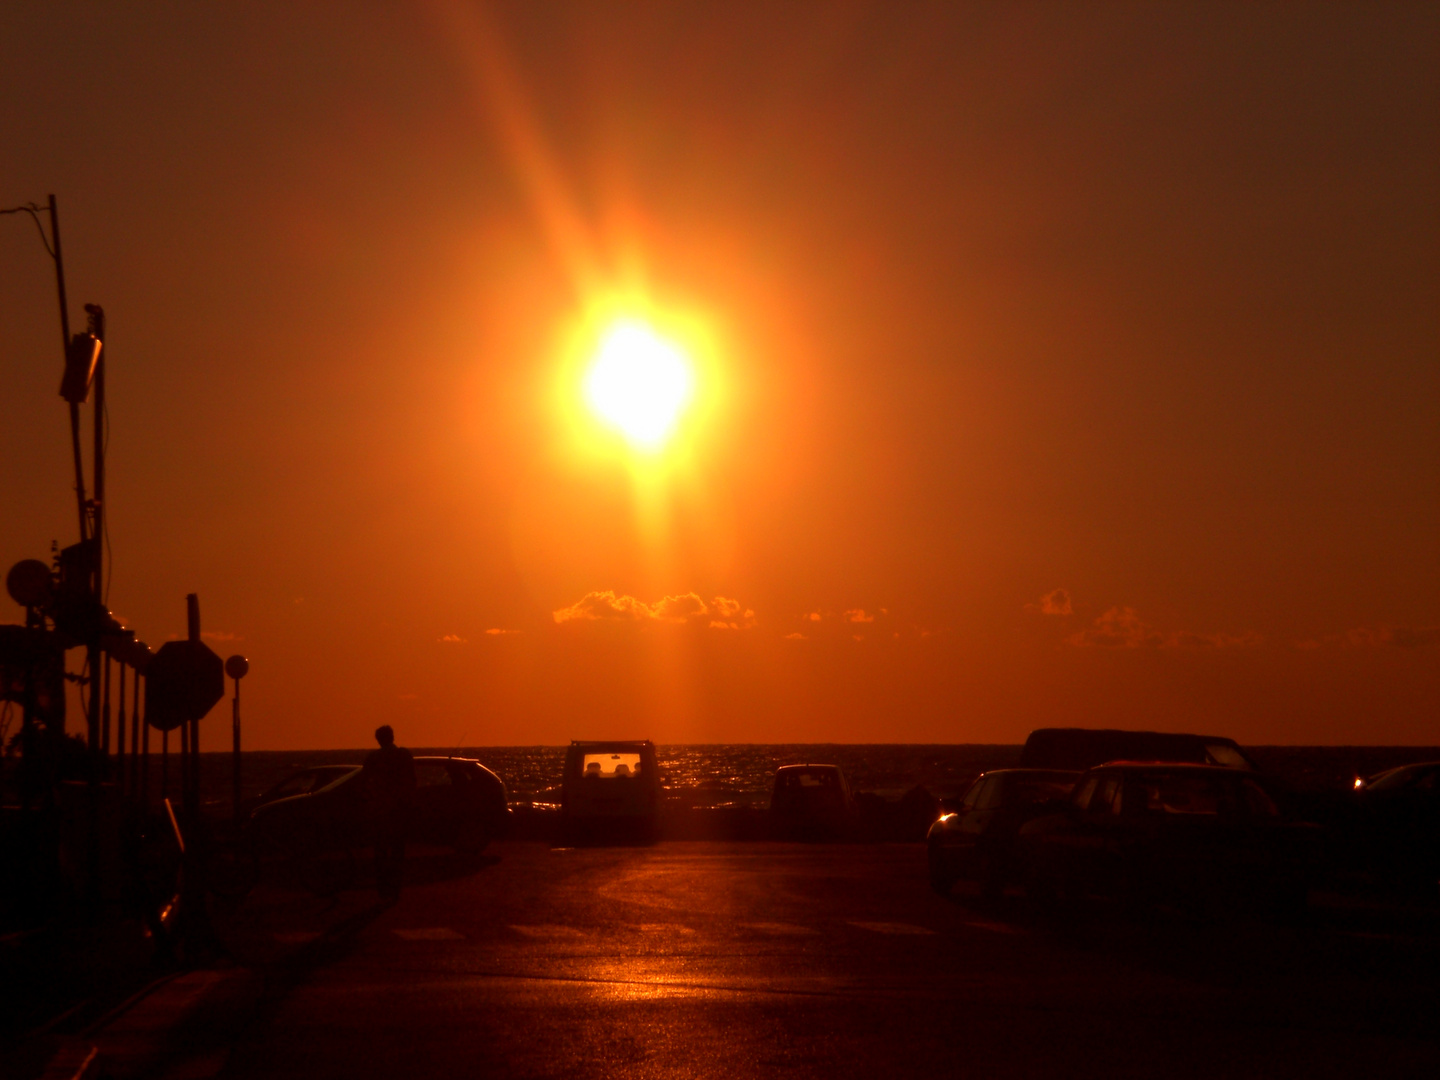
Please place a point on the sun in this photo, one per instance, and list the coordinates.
(639, 383)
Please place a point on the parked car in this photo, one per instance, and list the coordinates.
(1203, 837)
(812, 802)
(1084, 748)
(458, 803)
(1398, 822)
(303, 782)
(610, 792)
(977, 841)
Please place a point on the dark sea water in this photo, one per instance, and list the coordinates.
(741, 774)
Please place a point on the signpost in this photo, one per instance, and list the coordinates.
(237, 667)
(184, 682)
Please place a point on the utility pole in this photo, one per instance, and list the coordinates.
(96, 316)
(65, 353)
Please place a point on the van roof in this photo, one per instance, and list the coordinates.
(611, 745)
(1084, 748)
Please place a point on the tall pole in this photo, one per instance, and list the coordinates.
(192, 794)
(97, 513)
(235, 755)
(65, 354)
(236, 667)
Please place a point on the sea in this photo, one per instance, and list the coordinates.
(742, 774)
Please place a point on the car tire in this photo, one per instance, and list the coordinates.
(326, 873)
(991, 876)
(231, 869)
(942, 876)
(472, 840)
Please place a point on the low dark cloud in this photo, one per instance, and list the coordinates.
(1123, 628)
(1378, 637)
(1054, 602)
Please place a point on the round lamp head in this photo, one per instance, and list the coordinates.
(29, 583)
(237, 666)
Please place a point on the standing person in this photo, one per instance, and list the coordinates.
(389, 776)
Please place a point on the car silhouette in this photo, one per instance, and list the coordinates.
(458, 803)
(1398, 819)
(1205, 838)
(303, 782)
(812, 802)
(610, 793)
(977, 841)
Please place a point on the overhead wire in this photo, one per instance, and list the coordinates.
(33, 210)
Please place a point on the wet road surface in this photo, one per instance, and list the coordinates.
(716, 959)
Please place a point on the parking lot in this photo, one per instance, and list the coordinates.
(717, 959)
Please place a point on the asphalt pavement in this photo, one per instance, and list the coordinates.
(730, 959)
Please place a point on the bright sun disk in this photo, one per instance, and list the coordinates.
(638, 383)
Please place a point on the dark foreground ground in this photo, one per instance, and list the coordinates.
(723, 959)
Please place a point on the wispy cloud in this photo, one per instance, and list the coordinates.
(1376, 637)
(1054, 602)
(452, 639)
(731, 615)
(857, 615)
(722, 613)
(220, 635)
(1123, 628)
(496, 631)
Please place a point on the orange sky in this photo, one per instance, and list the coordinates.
(1072, 363)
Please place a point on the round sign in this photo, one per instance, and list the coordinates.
(237, 667)
(29, 583)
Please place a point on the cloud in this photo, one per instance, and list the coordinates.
(1123, 628)
(722, 613)
(796, 637)
(1376, 637)
(857, 615)
(814, 616)
(452, 639)
(731, 615)
(496, 631)
(220, 635)
(1054, 602)
(1415, 637)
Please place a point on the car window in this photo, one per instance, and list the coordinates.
(1103, 799)
(1257, 800)
(1220, 754)
(299, 784)
(432, 774)
(990, 795)
(1391, 779)
(1084, 791)
(1034, 792)
(971, 793)
(609, 766)
(1175, 793)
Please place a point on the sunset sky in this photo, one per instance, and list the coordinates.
(1052, 364)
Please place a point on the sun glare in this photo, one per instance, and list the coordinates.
(639, 383)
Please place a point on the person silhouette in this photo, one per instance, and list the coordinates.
(389, 776)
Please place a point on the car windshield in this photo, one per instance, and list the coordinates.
(1220, 754)
(609, 766)
(1392, 779)
(808, 778)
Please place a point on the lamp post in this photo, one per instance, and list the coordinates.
(237, 667)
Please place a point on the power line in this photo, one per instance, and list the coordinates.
(34, 211)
